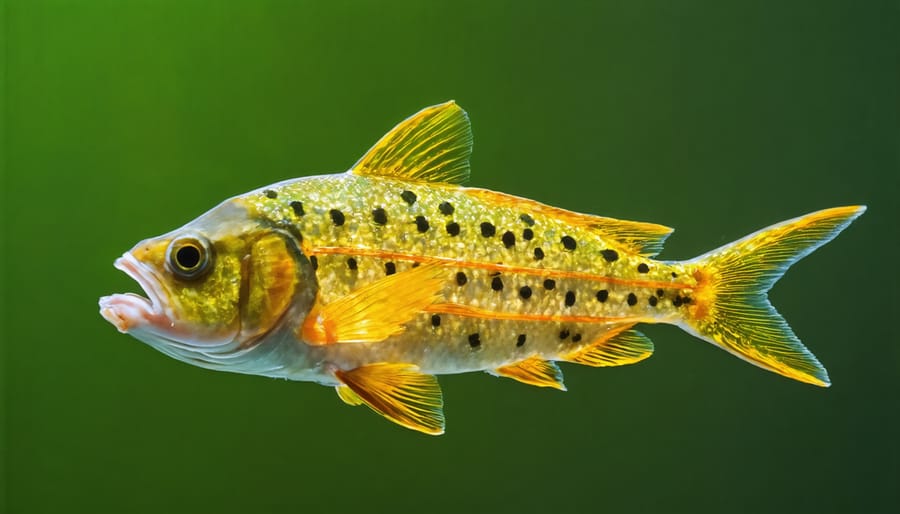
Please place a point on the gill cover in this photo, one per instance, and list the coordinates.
(270, 280)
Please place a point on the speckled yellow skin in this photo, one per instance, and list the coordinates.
(447, 348)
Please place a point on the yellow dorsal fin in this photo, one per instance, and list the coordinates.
(432, 145)
(534, 371)
(400, 393)
(347, 395)
(645, 239)
(375, 311)
(623, 346)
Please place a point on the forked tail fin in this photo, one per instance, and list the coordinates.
(730, 307)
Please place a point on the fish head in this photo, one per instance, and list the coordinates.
(213, 287)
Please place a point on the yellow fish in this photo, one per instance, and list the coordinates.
(377, 279)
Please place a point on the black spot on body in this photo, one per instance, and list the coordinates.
(568, 242)
(564, 334)
(337, 217)
(602, 295)
(660, 293)
(445, 208)
(390, 268)
(687, 300)
(549, 284)
(528, 234)
(271, 194)
(576, 338)
(677, 301)
(632, 299)
(497, 284)
(298, 208)
(653, 300)
(453, 228)
(520, 340)
(509, 239)
(570, 298)
(379, 216)
(351, 263)
(435, 320)
(314, 262)
(525, 292)
(610, 255)
(421, 224)
(538, 254)
(674, 275)
(474, 340)
(488, 230)
(643, 268)
(461, 278)
(526, 219)
(408, 197)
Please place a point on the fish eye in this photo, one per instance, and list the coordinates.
(189, 257)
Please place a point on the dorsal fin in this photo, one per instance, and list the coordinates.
(432, 145)
(645, 239)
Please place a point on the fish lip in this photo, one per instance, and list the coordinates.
(129, 310)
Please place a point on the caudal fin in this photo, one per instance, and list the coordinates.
(730, 307)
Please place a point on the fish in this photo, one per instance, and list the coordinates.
(376, 280)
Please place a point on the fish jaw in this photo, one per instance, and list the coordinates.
(129, 312)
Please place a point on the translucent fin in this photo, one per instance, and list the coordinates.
(432, 145)
(645, 239)
(534, 371)
(375, 311)
(400, 393)
(348, 396)
(730, 308)
(623, 346)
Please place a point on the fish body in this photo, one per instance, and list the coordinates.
(377, 279)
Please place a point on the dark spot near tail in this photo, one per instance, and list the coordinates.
(576, 338)
(568, 242)
(435, 320)
(520, 340)
(677, 301)
(390, 268)
(271, 194)
(379, 216)
(314, 262)
(408, 197)
(445, 208)
(602, 295)
(674, 275)
(453, 228)
(487, 229)
(610, 255)
(351, 263)
(549, 284)
(528, 234)
(461, 278)
(526, 219)
(687, 300)
(421, 224)
(509, 239)
(298, 208)
(337, 217)
(643, 268)
(660, 293)
(497, 284)
(474, 340)
(525, 292)
(416, 264)
(652, 300)
(538, 254)
(564, 334)
(570, 298)
(632, 299)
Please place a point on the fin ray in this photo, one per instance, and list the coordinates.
(617, 348)
(534, 371)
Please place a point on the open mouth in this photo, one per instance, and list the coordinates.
(127, 311)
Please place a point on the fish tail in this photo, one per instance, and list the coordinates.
(730, 307)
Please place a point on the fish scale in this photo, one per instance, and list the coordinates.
(378, 279)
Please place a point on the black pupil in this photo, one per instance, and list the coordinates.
(188, 257)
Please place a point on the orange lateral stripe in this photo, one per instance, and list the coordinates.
(503, 268)
(476, 312)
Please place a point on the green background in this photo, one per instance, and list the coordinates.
(125, 119)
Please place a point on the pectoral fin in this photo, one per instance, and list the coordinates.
(534, 371)
(398, 392)
(376, 311)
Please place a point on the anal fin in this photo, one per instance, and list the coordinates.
(623, 347)
(398, 392)
(534, 371)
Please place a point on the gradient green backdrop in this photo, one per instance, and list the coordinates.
(125, 119)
